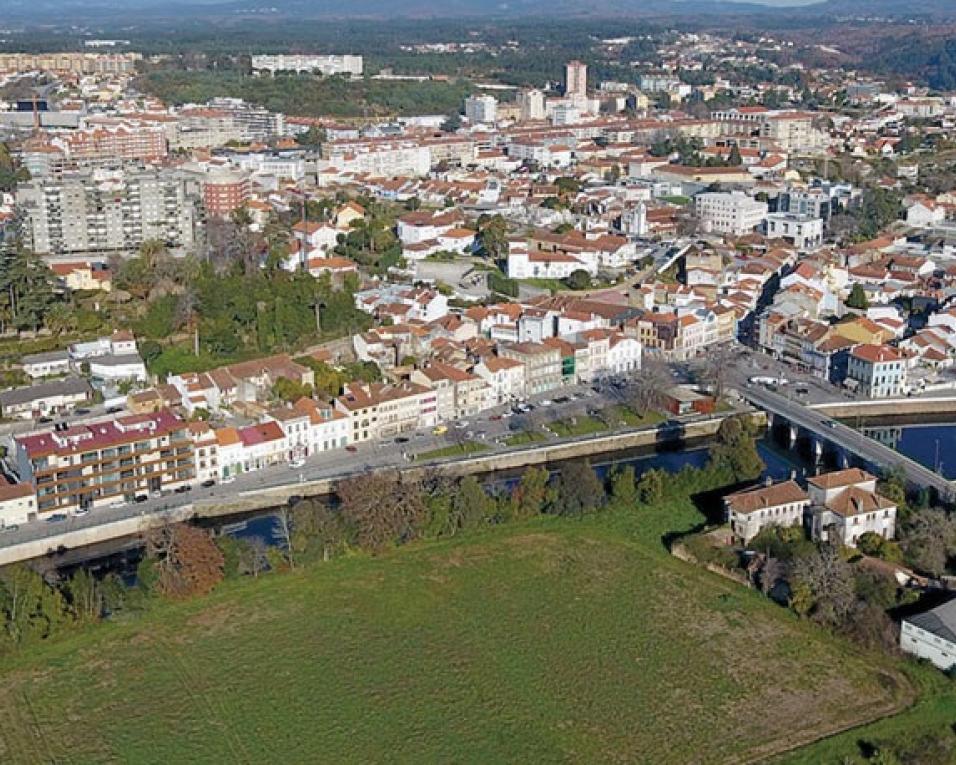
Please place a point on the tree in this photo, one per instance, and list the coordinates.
(471, 506)
(649, 386)
(32, 610)
(735, 451)
(929, 540)
(857, 298)
(578, 490)
(382, 509)
(532, 494)
(284, 530)
(651, 486)
(823, 587)
(187, 561)
(623, 487)
(492, 236)
(717, 368)
(317, 529)
(735, 160)
(578, 279)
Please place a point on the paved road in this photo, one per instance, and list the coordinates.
(847, 438)
(490, 428)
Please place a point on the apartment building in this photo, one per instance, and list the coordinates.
(86, 466)
(504, 376)
(801, 231)
(542, 365)
(326, 65)
(381, 410)
(532, 105)
(70, 63)
(576, 79)
(481, 110)
(124, 141)
(108, 211)
(731, 212)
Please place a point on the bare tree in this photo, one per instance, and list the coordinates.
(823, 587)
(253, 557)
(716, 369)
(284, 528)
(188, 560)
(650, 385)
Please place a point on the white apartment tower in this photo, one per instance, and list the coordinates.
(481, 110)
(576, 79)
(532, 105)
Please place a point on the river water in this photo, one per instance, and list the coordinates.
(782, 460)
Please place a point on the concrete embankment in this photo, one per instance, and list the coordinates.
(103, 532)
(897, 407)
(538, 454)
(671, 433)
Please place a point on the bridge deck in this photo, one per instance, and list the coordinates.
(849, 439)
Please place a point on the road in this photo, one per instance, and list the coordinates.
(490, 429)
(847, 438)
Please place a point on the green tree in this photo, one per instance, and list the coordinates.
(532, 495)
(578, 490)
(578, 280)
(651, 486)
(624, 490)
(857, 298)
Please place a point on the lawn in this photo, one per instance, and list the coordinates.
(633, 420)
(580, 426)
(455, 450)
(550, 641)
(525, 438)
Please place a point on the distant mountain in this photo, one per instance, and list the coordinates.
(139, 11)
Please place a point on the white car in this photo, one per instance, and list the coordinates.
(296, 464)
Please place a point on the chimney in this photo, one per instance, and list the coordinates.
(768, 481)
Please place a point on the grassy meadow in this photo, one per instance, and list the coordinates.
(556, 640)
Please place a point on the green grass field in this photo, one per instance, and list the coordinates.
(525, 438)
(455, 450)
(551, 641)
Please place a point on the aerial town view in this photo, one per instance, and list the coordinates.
(547, 382)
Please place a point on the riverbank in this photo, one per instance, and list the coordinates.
(667, 435)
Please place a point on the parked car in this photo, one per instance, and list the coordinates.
(81, 411)
(208, 483)
(401, 440)
(296, 464)
(81, 511)
(56, 518)
(183, 489)
(9, 527)
(351, 448)
(140, 498)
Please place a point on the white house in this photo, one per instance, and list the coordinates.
(878, 369)
(845, 506)
(46, 364)
(802, 231)
(752, 510)
(932, 635)
(17, 503)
